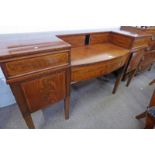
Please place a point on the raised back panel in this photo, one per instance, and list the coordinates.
(98, 38)
(121, 40)
(74, 40)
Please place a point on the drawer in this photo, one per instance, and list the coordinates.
(141, 42)
(34, 64)
(43, 91)
(97, 69)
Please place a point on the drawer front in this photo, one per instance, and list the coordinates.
(44, 91)
(140, 42)
(29, 65)
(96, 70)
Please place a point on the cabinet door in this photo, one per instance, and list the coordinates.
(43, 91)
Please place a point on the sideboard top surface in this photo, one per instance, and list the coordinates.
(15, 45)
(96, 53)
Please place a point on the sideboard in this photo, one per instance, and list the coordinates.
(40, 68)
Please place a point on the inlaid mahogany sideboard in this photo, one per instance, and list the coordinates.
(41, 67)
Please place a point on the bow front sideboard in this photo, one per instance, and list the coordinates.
(41, 67)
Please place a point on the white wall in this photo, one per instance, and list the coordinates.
(17, 16)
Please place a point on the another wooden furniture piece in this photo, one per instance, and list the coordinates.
(149, 54)
(149, 114)
(41, 68)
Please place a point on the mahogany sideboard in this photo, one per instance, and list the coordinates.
(40, 68)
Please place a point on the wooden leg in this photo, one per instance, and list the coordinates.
(130, 77)
(152, 82)
(118, 80)
(142, 115)
(29, 122)
(149, 124)
(116, 85)
(67, 107)
(150, 68)
(124, 77)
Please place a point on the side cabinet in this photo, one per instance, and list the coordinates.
(39, 80)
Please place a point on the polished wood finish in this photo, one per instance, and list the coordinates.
(121, 40)
(96, 60)
(149, 55)
(41, 70)
(35, 64)
(135, 61)
(44, 91)
(75, 41)
(40, 79)
(99, 38)
(99, 56)
(140, 55)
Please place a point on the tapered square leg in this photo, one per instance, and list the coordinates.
(67, 107)
(150, 122)
(117, 84)
(119, 78)
(142, 115)
(29, 122)
(131, 77)
(152, 82)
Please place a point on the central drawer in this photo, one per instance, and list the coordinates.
(34, 64)
(86, 72)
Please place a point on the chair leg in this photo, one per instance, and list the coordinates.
(130, 77)
(149, 123)
(142, 115)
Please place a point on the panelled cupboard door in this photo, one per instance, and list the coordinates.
(43, 91)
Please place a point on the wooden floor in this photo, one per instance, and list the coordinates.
(92, 106)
